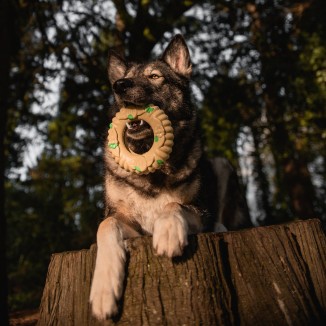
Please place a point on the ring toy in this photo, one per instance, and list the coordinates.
(162, 143)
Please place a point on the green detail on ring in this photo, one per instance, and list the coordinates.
(137, 168)
(113, 145)
(160, 162)
(156, 139)
(149, 109)
(130, 117)
(111, 125)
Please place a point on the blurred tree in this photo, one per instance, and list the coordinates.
(259, 77)
(276, 33)
(9, 38)
(276, 93)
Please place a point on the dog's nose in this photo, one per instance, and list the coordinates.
(121, 85)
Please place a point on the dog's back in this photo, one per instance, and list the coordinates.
(221, 195)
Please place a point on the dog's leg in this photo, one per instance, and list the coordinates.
(107, 284)
(171, 229)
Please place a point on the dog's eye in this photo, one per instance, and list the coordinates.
(153, 76)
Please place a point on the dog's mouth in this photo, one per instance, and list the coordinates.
(138, 129)
(135, 125)
(138, 136)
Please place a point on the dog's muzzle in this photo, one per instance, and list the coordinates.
(122, 85)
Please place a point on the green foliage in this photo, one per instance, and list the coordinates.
(259, 67)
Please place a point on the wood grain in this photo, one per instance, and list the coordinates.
(272, 275)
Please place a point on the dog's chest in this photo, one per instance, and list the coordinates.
(146, 209)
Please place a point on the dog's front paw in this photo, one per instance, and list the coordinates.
(107, 285)
(170, 234)
(102, 297)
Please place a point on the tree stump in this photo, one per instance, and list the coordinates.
(272, 275)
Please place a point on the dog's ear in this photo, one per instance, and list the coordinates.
(116, 67)
(177, 56)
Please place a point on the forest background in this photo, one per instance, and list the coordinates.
(259, 83)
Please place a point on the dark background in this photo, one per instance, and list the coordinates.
(259, 84)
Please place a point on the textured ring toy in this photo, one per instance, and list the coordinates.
(162, 143)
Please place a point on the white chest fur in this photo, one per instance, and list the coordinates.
(143, 209)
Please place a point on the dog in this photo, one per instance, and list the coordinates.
(189, 194)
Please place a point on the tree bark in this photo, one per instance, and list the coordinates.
(272, 275)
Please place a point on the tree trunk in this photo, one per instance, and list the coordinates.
(272, 275)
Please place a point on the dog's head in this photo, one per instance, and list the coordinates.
(163, 82)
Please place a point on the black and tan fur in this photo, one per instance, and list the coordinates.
(187, 195)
